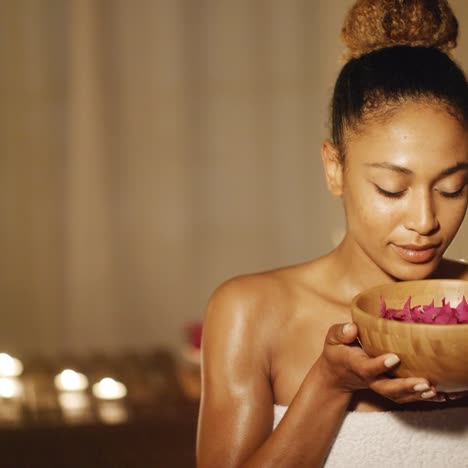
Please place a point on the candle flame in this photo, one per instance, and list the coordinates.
(10, 366)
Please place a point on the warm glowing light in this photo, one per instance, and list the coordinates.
(73, 401)
(112, 412)
(109, 389)
(10, 388)
(71, 381)
(10, 366)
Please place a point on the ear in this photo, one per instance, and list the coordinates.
(333, 168)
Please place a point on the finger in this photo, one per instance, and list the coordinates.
(437, 398)
(343, 333)
(444, 397)
(404, 390)
(456, 395)
(370, 368)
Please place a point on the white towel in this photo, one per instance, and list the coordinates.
(403, 439)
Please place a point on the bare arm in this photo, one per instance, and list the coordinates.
(306, 432)
(236, 414)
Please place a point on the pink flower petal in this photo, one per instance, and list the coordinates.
(444, 314)
(462, 311)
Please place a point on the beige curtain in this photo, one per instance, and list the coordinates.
(151, 149)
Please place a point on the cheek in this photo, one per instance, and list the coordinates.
(450, 218)
(365, 209)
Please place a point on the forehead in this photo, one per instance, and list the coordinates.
(415, 136)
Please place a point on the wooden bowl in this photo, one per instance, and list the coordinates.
(436, 352)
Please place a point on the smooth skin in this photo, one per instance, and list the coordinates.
(281, 336)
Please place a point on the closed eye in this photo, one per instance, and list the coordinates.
(457, 194)
(387, 194)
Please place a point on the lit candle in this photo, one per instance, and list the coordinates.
(10, 366)
(71, 381)
(10, 388)
(109, 389)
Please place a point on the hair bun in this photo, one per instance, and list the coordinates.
(375, 24)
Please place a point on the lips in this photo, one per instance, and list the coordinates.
(416, 253)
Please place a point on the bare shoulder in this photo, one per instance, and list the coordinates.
(253, 299)
(452, 269)
(251, 312)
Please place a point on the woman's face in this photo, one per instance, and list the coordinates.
(405, 189)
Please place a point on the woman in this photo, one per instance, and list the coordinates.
(283, 340)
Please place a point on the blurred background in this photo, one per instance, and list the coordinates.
(151, 149)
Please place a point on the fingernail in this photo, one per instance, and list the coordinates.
(454, 396)
(428, 394)
(346, 328)
(391, 360)
(421, 387)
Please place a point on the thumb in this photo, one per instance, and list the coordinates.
(342, 333)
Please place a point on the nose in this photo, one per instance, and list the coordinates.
(422, 216)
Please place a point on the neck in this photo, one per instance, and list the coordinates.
(355, 269)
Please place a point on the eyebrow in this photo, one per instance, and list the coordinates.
(390, 166)
(451, 170)
(404, 170)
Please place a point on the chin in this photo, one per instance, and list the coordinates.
(413, 272)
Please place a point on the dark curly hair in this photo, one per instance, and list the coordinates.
(399, 53)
